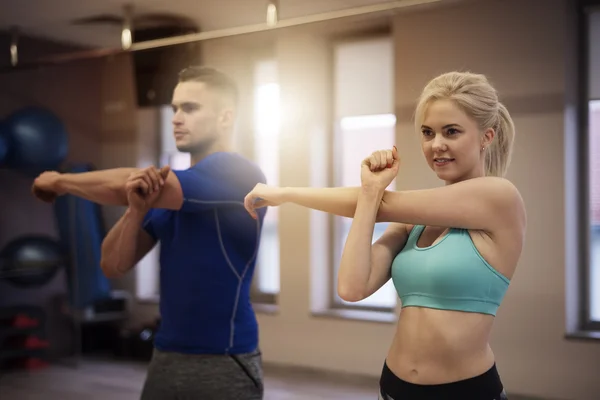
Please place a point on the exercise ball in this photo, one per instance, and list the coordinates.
(31, 260)
(37, 141)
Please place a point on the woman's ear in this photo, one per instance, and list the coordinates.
(488, 138)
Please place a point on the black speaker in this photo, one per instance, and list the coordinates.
(156, 69)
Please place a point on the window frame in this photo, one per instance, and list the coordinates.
(257, 296)
(262, 301)
(585, 323)
(333, 301)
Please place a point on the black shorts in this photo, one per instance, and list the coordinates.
(486, 386)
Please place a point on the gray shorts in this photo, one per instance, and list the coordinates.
(175, 376)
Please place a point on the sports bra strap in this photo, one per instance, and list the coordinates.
(414, 235)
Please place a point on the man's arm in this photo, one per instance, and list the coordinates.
(126, 244)
(222, 179)
(107, 187)
(104, 187)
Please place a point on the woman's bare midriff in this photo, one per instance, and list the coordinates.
(437, 346)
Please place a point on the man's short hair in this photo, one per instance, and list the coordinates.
(213, 78)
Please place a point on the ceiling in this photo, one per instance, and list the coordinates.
(54, 19)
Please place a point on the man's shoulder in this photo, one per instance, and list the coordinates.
(233, 163)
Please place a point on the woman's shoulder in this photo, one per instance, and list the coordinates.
(508, 197)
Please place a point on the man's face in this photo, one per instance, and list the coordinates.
(200, 116)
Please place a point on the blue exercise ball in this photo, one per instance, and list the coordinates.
(37, 141)
(31, 260)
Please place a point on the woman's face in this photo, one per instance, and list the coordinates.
(452, 142)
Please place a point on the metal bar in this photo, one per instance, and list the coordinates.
(62, 59)
(286, 23)
(220, 33)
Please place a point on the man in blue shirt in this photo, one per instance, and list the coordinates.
(207, 344)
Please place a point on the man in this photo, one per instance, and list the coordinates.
(207, 343)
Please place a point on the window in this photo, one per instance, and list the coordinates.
(148, 269)
(358, 137)
(590, 185)
(364, 122)
(594, 168)
(266, 155)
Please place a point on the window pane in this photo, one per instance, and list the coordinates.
(179, 160)
(594, 157)
(266, 150)
(364, 77)
(357, 138)
(594, 162)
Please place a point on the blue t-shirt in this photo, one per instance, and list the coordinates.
(208, 251)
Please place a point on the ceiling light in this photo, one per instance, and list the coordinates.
(126, 36)
(272, 11)
(14, 49)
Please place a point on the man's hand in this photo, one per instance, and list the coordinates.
(144, 187)
(45, 186)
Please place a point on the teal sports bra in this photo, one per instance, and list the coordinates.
(448, 275)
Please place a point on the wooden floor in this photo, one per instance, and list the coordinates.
(97, 379)
(111, 380)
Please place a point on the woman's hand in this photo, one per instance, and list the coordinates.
(262, 196)
(379, 169)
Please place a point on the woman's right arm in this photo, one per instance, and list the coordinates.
(366, 267)
(339, 201)
(125, 245)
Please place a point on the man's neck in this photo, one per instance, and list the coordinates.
(220, 146)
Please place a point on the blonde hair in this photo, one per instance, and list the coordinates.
(477, 98)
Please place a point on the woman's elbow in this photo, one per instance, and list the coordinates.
(349, 293)
(383, 214)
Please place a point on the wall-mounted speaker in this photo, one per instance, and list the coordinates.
(156, 69)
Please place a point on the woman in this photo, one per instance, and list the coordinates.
(450, 251)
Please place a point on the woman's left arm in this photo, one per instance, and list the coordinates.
(485, 203)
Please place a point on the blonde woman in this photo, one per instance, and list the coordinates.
(450, 251)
